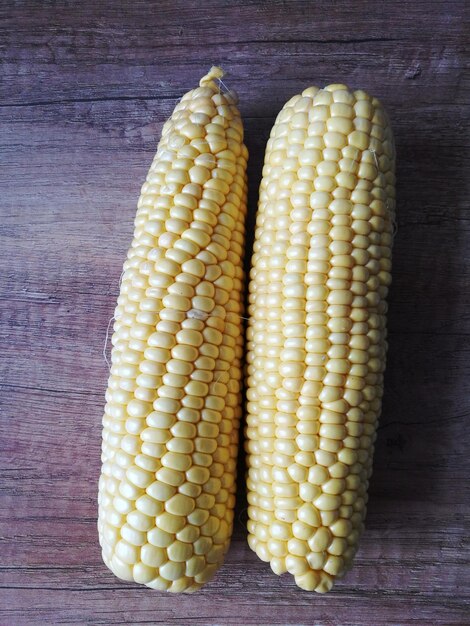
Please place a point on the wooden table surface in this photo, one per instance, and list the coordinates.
(85, 89)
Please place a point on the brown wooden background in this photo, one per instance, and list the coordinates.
(85, 88)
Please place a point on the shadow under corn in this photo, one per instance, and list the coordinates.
(256, 136)
(420, 451)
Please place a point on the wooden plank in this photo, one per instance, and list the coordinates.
(85, 90)
(106, 602)
(279, 70)
(92, 52)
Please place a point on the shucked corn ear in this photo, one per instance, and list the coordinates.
(316, 339)
(170, 427)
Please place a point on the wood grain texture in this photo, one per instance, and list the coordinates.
(86, 87)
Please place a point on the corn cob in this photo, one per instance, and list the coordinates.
(170, 425)
(316, 338)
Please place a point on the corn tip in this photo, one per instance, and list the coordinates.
(214, 73)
